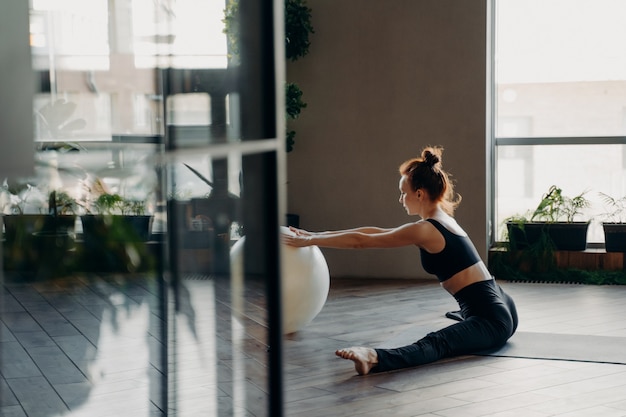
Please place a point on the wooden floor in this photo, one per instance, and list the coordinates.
(94, 351)
(371, 312)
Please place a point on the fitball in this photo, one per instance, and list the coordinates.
(305, 282)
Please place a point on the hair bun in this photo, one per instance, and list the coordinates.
(430, 158)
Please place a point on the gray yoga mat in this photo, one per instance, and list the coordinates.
(567, 347)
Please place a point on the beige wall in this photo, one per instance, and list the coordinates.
(382, 80)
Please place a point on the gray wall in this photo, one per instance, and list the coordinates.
(382, 80)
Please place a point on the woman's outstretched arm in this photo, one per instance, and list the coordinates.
(367, 230)
(361, 238)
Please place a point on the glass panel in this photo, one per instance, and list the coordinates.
(70, 35)
(220, 322)
(97, 65)
(90, 88)
(193, 109)
(560, 68)
(83, 299)
(525, 173)
(138, 122)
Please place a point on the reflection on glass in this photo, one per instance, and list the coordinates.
(97, 64)
(69, 191)
(117, 266)
(220, 339)
(86, 344)
(192, 109)
(181, 34)
(82, 311)
(70, 35)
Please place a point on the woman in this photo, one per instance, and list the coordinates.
(489, 314)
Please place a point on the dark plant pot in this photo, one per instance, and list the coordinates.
(116, 243)
(116, 228)
(38, 243)
(20, 227)
(564, 236)
(614, 237)
(54, 258)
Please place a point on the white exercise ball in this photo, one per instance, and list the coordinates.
(305, 282)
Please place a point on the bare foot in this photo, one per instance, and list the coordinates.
(364, 358)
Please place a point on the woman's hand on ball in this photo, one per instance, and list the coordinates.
(300, 232)
(297, 241)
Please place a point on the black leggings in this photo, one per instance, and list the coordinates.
(490, 320)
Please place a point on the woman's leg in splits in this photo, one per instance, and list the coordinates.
(469, 336)
(488, 329)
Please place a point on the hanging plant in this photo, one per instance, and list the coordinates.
(297, 29)
(294, 106)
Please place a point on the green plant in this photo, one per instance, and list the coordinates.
(231, 29)
(550, 226)
(518, 222)
(107, 204)
(554, 206)
(99, 198)
(615, 208)
(298, 27)
(504, 267)
(116, 204)
(294, 106)
(61, 203)
(134, 207)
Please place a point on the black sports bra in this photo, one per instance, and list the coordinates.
(457, 254)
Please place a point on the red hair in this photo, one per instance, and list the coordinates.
(426, 172)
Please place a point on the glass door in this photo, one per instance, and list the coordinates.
(140, 258)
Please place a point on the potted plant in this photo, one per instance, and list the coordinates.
(553, 221)
(57, 238)
(115, 231)
(120, 218)
(37, 240)
(62, 210)
(18, 224)
(27, 212)
(614, 223)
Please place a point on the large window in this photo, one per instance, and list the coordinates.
(559, 103)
